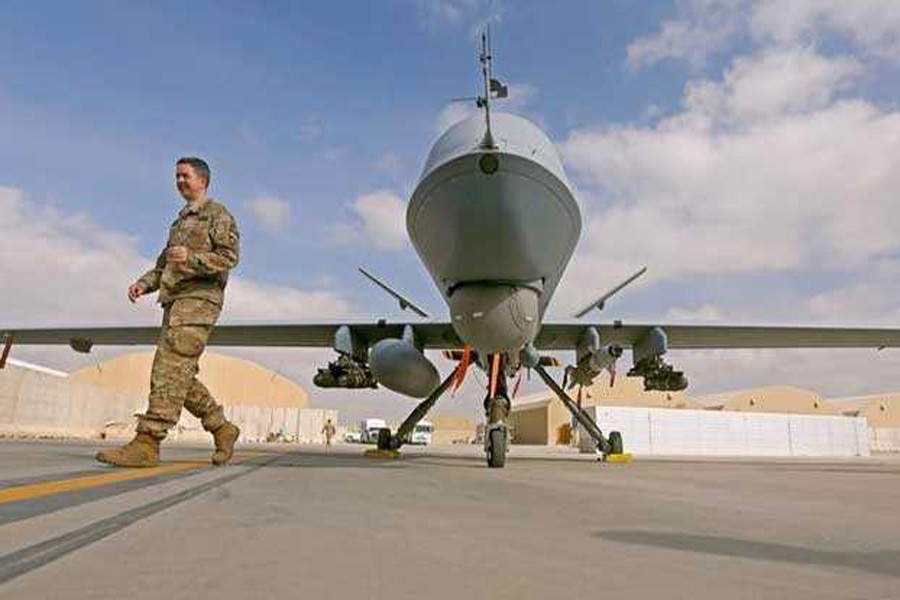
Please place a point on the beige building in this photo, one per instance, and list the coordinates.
(770, 399)
(452, 429)
(542, 418)
(232, 381)
(881, 410)
(102, 401)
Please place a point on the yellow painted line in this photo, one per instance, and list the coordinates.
(619, 458)
(375, 453)
(49, 488)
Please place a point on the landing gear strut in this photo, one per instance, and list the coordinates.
(607, 447)
(386, 441)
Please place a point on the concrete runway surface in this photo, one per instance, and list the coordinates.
(436, 523)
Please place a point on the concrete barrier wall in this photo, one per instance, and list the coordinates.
(884, 439)
(662, 431)
(34, 403)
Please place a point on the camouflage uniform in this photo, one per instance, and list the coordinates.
(192, 294)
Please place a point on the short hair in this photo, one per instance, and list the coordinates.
(199, 166)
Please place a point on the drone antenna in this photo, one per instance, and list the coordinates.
(492, 88)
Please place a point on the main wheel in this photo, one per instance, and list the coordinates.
(496, 451)
(616, 446)
(384, 439)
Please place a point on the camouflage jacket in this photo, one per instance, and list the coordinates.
(212, 239)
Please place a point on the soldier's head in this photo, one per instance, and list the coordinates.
(192, 177)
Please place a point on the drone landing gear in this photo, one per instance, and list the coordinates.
(389, 444)
(610, 449)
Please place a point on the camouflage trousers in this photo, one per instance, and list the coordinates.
(187, 323)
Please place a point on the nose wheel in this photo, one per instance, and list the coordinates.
(496, 435)
(496, 447)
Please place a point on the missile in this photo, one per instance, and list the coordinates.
(399, 366)
(594, 363)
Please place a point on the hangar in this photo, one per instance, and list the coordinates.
(232, 381)
(101, 400)
(770, 399)
(452, 429)
(882, 411)
(542, 419)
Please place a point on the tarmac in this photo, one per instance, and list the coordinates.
(300, 522)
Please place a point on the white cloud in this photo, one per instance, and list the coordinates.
(875, 300)
(384, 218)
(704, 314)
(271, 213)
(745, 177)
(703, 27)
(435, 14)
(380, 221)
(345, 234)
(652, 112)
(64, 269)
(776, 166)
(774, 83)
(830, 372)
(453, 113)
(872, 25)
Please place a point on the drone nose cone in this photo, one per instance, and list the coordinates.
(495, 318)
(495, 227)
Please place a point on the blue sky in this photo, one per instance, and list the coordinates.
(297, 101)
(742, 150)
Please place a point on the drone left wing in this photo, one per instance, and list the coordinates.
(313, 335)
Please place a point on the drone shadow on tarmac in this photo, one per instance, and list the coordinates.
(323, 460)
(880, 562)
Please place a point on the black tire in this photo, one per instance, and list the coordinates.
(616, 446)
(384, 439)
(496, 451)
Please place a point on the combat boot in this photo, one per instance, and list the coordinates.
(225, 437)
(142, 451)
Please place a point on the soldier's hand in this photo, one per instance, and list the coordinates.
(177, 254)
(135, 291)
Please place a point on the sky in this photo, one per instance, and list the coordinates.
(747, 152)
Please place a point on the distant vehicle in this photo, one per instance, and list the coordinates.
(353, 437)
(369, 429)
(421, 434)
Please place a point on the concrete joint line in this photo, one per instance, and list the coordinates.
(33, 557)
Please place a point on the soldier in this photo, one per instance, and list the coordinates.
(190, 274)
(329, 430)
